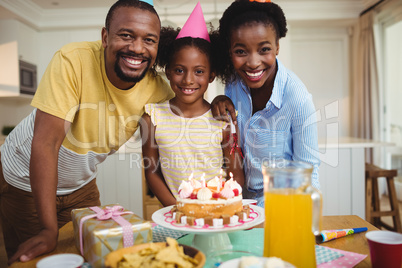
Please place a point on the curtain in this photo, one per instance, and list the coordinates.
(365, 90)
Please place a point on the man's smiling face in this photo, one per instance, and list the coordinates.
(131, 45)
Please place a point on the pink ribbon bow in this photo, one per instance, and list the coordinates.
(113, 213)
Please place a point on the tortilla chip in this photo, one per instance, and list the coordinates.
(159, 256)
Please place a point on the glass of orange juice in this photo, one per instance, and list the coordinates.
(292, 212)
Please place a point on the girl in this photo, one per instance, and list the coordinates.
(276, 114)
(180, 137)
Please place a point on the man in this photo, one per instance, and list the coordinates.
(88, 104)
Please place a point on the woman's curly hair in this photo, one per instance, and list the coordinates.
(169, 45)
(239, 13)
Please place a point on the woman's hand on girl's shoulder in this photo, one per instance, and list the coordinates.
(221, 106)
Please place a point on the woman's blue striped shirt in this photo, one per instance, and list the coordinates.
(286, 128)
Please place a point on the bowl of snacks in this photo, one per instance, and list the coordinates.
(156, 255)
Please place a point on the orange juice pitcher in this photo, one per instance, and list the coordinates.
(292, 212)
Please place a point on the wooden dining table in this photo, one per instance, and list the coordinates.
(354, 243)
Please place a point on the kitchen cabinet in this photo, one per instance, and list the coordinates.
(17, 42)
(10, 84)
(26, 37)
(9, 69)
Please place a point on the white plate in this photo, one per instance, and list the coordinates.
(250, 202)
(236, 262)
(164, 219)
(61, 261)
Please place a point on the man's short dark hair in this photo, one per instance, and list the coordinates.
(128, 3)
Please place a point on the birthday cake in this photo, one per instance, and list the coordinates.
(214, 203)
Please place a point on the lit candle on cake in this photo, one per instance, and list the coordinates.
(231, 175)
(194, 183)
(203, 180)
(214, 183)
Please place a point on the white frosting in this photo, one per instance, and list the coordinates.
(212, 201)
(255, 262)
(274, 262)
(232, 184)
(183, 184)
(185, 189)
(250, 261)
(204, 194)
(214, 182)
(227, 192)
(196, 184)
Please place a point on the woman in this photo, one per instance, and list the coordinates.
(275, 112)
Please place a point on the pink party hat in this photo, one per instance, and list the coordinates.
(195, 25)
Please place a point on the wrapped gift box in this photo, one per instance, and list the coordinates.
(102, 236)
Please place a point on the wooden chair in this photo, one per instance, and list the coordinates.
(373, 211)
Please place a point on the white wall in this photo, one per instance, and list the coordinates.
(52, 40)
(393, 97)
(320, 57)
(393, 54)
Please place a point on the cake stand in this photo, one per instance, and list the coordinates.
(209, 239)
